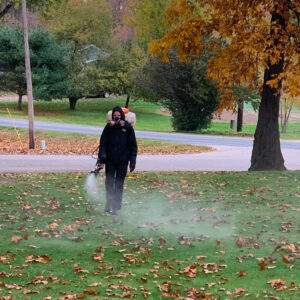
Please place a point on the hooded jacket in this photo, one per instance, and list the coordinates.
(118, 143)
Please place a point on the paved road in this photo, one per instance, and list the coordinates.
(223, 159)
(192, 139)
(232, 154)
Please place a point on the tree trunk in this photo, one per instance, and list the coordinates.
(283, 128)
(127, 101)
(239, 126)
(266, 153)
(287, 113)
(73, 101)
(20, 102)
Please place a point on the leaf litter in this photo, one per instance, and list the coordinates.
(197, 244)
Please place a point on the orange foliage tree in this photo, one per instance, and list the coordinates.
(262, 39)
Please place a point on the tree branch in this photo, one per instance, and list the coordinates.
(7, 8)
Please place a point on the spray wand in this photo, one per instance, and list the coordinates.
(99, 166)
(97, 169)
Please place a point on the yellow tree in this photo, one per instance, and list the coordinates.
(262, 38)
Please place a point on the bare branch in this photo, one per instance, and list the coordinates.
(7, 8)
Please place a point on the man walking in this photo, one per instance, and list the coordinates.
(118, 147)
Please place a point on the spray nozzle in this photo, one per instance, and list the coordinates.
(97, 169)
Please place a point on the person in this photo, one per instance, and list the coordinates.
(118, 147)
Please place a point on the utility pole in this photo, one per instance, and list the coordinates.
(28, 77)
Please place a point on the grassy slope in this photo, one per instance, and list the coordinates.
(149, 117)
(227, 222)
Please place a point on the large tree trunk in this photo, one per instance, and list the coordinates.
(266, 153)
(73, 101)
(20, 102)
(239, 126)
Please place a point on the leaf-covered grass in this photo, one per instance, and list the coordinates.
(179, 235)
(149, 116)
(80, 144)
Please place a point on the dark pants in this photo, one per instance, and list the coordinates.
(115, 176)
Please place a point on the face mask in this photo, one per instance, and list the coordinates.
(116, 120)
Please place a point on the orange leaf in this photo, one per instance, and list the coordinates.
(241, 273)
(262, 265)
(285, 259)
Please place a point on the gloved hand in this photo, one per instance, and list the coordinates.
(101, 160)
(131, 166)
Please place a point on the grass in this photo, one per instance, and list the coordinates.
(80, 144)
(92, 112)
(149, 116)
(221, 128)
(197, 235)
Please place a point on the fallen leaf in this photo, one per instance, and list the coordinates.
(91, 292)
(262, 265)
(41, 259)
(241, 273)
(278, 284)
(240, 242)
(162, 241)
(97, 257)
(16, 239)
(285, 259)
(95, 284)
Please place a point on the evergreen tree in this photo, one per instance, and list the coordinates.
(47, 63)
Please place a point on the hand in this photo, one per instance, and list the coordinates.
(131, 167)
(101, 160)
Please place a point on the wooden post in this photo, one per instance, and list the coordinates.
(28, 77)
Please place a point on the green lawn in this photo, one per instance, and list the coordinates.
(92, 112)
(149, 116)
(179, 235)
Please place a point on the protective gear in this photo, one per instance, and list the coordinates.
(114, 181)
(118, 145)
(120, 110)
(101, 160)
(131, 166)
(116, 120)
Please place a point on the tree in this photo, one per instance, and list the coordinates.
(263, 35)
(7, 5)
(83, 24)
(47, 63)
(148, 19)
(236, 96)
(114, 73)
(180, 87)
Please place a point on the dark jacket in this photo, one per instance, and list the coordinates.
(118, 143)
